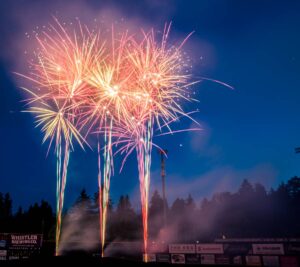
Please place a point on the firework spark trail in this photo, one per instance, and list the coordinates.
(59, 95)
(107, 171)
(109, 80)
(143, 151)
(61, 192)
(160, 84)
(58, 125)
(58, 192)
(122, 90)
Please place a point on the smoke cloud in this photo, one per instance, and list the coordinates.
(79, 231)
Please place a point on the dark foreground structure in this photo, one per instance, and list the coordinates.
(86, 261)
(107, 262)
(30, 250)
(81, 260)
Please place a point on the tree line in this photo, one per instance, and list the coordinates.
(251, 211)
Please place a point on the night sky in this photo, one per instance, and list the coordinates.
(249, 132)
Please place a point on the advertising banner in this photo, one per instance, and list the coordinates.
(19, 246)
(293, 249)
(23, 240)
(182, 248)
(2, 243)
(192, 259)
(157, 247)
(177, 259)
(163, 258)
(288, 261)
(237, 260)
(268, 249)
(3, 255)
(208, 259)
(253, 261)
(222, 260)
(271, 261)
(239, 249)
(150, 257)
(209, 249)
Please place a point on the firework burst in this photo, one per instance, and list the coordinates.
(58, 94)
(120, 88)
(158, 81)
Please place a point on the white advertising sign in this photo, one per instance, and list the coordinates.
(182, 248)
(268, 249)
(210, 249)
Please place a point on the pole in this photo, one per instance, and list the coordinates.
(163, 179)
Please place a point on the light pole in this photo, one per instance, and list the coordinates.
(163, 153)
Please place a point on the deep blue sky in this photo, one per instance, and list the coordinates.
(249, 132)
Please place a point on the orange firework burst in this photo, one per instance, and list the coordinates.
(161, 76)
(122, 89)
(158, 82)
(58, 97)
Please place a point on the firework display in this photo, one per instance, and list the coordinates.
(119, 89)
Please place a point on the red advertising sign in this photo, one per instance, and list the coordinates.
(210, 249)
(182, 248)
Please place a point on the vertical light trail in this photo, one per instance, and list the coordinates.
(62, 180)
(144, 149)
(107, 172)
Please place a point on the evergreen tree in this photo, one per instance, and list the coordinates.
(190, 204)
(124, 222)
(246, 188)
(7, 206)
(156, 213)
